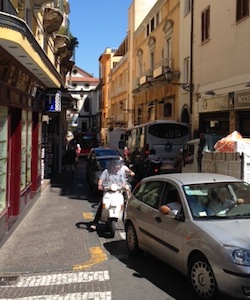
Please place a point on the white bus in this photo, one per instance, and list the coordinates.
(167, 137)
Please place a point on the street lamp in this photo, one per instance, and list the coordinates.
(129, 110)
(170, 76)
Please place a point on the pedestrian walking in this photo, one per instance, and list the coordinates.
(70, 161)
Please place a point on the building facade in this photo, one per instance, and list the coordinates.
(221, 67)
(183, 66)
(31, 100)
(82, 87)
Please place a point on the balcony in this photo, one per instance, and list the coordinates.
(53, 18)
(39, 3)
(61, 43)
(66, 65)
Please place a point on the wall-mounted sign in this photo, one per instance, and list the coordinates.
(242, 100)
(213, 104)
(53, 102)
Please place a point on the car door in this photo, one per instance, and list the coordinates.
(174, 231)
(146, 213)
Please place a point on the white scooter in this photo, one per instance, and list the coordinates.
(112, 206)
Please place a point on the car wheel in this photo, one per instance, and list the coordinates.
(132, 240)
(202, 278)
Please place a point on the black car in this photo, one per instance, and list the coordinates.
(95, 169)
(99, 151)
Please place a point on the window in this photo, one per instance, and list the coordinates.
(242, 9)
(168, 131)
(152, 60)
(186, 70)
(205, 24)
(152, 24)
(150, 193)
(3, 155)
(187, 7)
(169, 51)
(148, 30)
(167, 110)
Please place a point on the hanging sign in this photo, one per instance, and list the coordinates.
(53, 102)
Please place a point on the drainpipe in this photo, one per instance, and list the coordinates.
(191, 57)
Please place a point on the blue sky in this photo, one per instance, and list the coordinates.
(97, 24)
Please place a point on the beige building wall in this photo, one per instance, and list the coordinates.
(222, 67)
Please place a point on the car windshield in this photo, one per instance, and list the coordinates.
(219, 200)
(104, 163)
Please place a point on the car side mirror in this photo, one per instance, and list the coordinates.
(173, 213)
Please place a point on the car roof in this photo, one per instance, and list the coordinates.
(194, 178)
(102, 157)
(101, 150)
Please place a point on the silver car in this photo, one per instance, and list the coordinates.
(207, 239)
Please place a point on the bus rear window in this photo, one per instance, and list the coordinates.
(168, 131)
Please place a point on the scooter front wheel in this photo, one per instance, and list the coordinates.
(112, 227)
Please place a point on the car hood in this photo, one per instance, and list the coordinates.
(229, 231)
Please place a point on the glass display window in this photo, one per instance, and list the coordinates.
(39, 143)
(3, 156)
(26, 141)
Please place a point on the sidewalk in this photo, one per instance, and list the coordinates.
(47, 237)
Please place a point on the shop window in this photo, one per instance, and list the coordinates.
(3, 156)
(26, 149)
(39, 160)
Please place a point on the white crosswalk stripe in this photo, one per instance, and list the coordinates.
(71, 296)
(47, 281)
(64, 278)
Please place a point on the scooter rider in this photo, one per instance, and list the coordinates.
(113, 174)
(151, 159)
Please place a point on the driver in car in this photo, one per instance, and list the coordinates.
(219, 202)
(173, 202)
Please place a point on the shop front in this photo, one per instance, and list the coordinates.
(214, 117)
(242, 112)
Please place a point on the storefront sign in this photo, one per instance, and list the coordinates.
(213, 104)
(158, 71)
(242, 100)
(53, 102)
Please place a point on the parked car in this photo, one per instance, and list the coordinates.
(208, 243)
(96, 167)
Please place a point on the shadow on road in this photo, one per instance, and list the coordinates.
(154, 270)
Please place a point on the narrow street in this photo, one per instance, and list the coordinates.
(50, 254)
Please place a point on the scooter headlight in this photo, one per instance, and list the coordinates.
(114, 187)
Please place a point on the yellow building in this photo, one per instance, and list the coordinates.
(147, 82)
(156, 65)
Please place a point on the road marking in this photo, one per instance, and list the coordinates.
(79, 296)
(97, 256)
(61, 278)
(87, 216)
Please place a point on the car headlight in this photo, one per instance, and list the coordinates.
(240, 256)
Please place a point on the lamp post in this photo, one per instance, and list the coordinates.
(170, 76)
